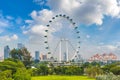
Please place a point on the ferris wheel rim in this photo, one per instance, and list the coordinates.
(71, 22)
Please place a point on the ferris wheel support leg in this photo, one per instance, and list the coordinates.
(67, 50)
(60, 52)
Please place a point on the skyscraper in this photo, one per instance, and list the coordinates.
(37, 55)
(65, 57)
(6, 52)
(20, 46)
(43, 57)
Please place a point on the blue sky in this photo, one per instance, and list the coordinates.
(24, 21)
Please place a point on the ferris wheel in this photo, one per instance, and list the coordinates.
(62, 38)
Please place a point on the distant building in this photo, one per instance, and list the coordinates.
(103, 57)
(1, 59)
(37, 54)
(20, 46)
(6, 52)
(43, 57)
(65, 57)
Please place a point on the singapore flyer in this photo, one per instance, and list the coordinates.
(66, 43)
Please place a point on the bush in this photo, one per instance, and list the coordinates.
(93, 71)
(22, 74)
(115, 70)
(109, 76)
(6, 75)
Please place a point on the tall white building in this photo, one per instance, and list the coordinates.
(6, 52)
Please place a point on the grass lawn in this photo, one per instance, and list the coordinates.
(61, 78)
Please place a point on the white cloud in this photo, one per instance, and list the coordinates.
(38, 29)
(8, 38)
(9, 17)
(109, 47)
(14, 37)
(86, 11)
(38, 23)
(41, 17)
(40, 2)
(4, 22)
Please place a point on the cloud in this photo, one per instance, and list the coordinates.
(8, 38)
(14, 37)
(86, 11)
(41, 17)
(4, 22)
(38, 29)
(40, 2)
(9, 17)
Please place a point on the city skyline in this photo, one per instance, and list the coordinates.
(25, 21)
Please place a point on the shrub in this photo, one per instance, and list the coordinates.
(115, 70)
(109, 76)
(6, 75)
(93, 71)
(22, 74)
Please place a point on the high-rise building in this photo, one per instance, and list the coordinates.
(43, 57)
(6, 52)
(20, 46)
(37, 55)
(65, 57)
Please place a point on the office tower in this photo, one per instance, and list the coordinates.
(43, 57)
(65, 57)
(20, 46)
(6, 52)
(37, 55)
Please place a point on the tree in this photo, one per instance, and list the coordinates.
(115, 70)
(9, 64)
(109, 67)
(23, 55)
(16, 54)
(13, 69)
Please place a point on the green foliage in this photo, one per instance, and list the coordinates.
(23, 55)
(22, 74)
(95, 63)
(93, 71)
(16, 54)
(41, 69)
(13, 69)
(68, 70)
(115, 70)
(6, 75)
(45, 69)
(10, 65)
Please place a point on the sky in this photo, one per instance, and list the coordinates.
(23, 21)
